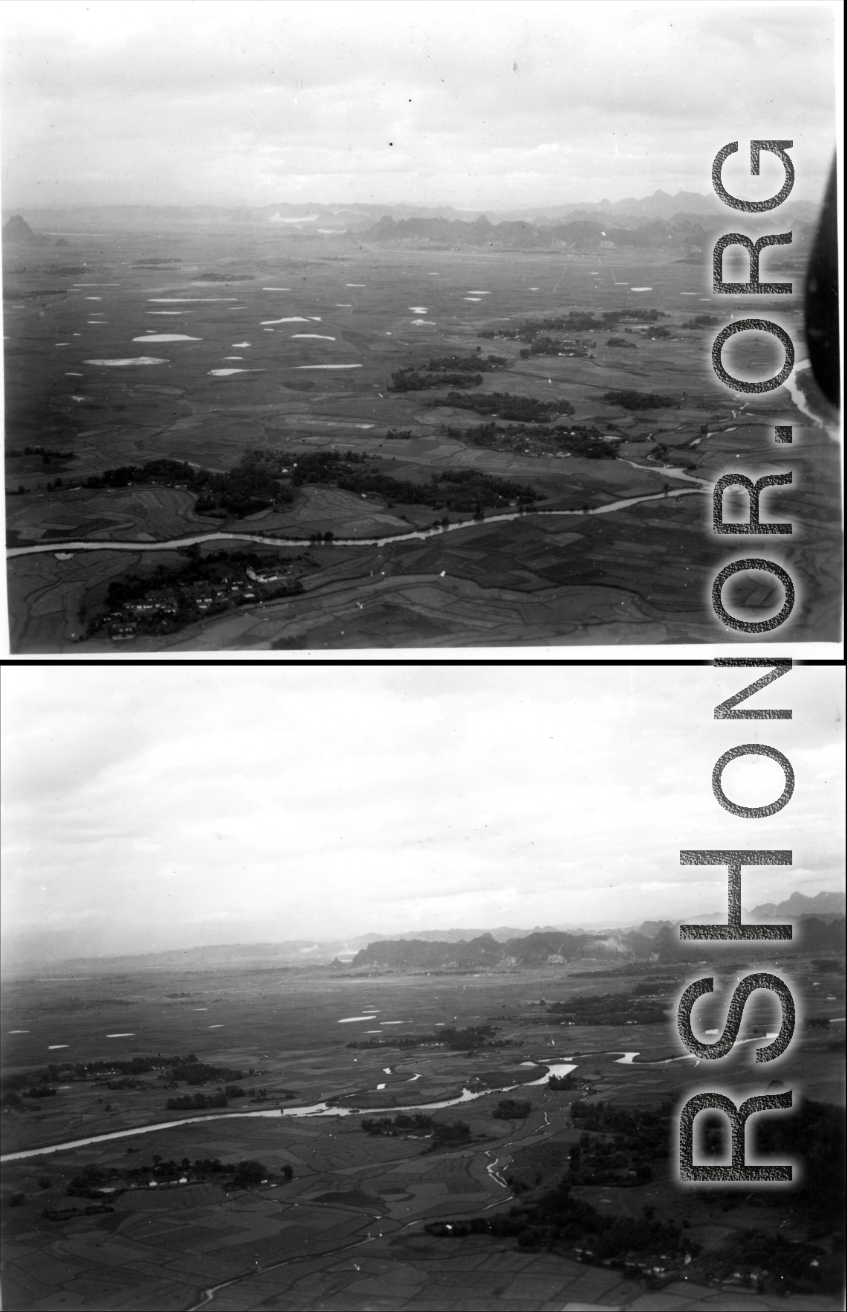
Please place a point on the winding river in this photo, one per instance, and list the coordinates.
(414, 535)
(315, 1109)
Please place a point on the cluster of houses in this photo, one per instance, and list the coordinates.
(122, 624)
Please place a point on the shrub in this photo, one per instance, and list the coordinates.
(512, 1109)
(638, 400)
(450, 1132)
(249, 1173)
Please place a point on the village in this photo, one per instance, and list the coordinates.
(162, 605)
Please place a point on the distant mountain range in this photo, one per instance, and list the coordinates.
(534, 949)
(660, 205)
(45, 953)
(683, 232)
(828, 904)
(653, 941)
(822, 917)
(323, 219)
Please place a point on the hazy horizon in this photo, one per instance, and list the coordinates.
(48, 955)
(500, 105)
(163, 808)
(390, 203)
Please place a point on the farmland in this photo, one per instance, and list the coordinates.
(258, 353)
(338, 1220)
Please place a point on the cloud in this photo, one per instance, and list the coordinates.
(256, 103)
(328, 802)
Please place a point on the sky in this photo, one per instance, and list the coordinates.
(479, 104)
(152, 808)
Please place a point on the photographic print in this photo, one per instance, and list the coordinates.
(423, 987)
(582, 390)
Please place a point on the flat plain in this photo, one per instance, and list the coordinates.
(347, 1230)
(258, 351)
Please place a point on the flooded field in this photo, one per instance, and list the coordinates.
(641, 575)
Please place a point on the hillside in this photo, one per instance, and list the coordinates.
(534, 949)
(798, 904)
(17, 232)
(819, 921)
(44, 952)
(580, 233)
(681, 234)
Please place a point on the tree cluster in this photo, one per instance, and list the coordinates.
(608, 1009)
(410, 380)
(449, 1134)
(210, 569)
(469, 363)
(512, 1109)
(90, 1182)
(197, 1072)
(45, 452)
(504, 405)
(640, 1136)
(446, 371)
(449, 489)
(65, 1213)
(559, 1221)
(638, 400)
(197, 1102)
(224, 277)
(562, 1083)
(584, 442)
(172, 1070)
(168, 1169)
(469, 1038)
(636, 1137)
(793, 1267)
(244, 490)
(249, 1173)
(575, 321)
(402, 1124)
(243, 1173)
(815, 1133)
(545, 345)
